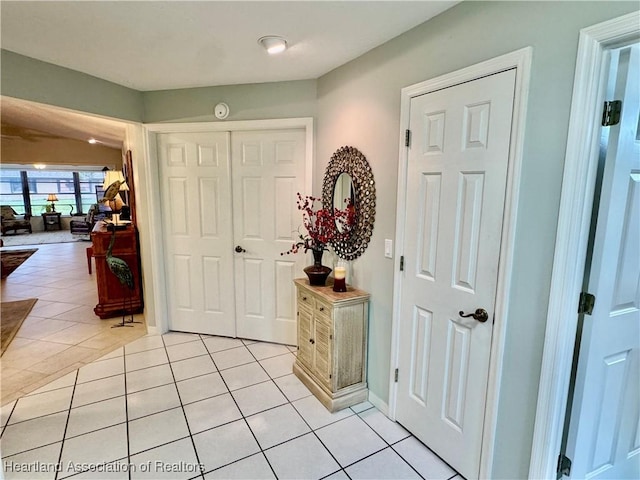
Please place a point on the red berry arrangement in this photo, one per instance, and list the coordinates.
(323, 225)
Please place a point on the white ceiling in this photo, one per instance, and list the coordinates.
(155, 45)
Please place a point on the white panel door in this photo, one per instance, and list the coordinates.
(456, 180)
(268, 171)
(604, 434)
(196, 214)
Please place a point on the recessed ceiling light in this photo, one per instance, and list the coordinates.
(273, 44)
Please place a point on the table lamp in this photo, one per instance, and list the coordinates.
(52, 198)
(110, 177)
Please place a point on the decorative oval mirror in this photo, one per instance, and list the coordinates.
(343, 198)
(348, 183)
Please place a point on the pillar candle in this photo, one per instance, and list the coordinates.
(339, 273)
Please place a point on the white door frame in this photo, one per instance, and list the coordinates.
(155, 241)
(521, 61)
(576, 202)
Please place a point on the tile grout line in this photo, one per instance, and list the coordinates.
(357, 414)
(243, 417)
(4, 427)
(184, 413)
(312, 430)
(404, 459)
(327, 448)
(104, 428)
(389, 445)
(455, 472)
(126, 410)
(66, 426)
(303, 419)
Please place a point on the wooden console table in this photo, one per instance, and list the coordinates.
(332, 344)
(113, 296)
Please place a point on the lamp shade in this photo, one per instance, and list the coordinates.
(111, 176)
(52, 198)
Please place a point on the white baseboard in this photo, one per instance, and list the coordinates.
(152, 330)
(379, 403)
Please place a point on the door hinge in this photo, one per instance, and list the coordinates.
(395, 376)
(611, 113)
(402, 263)
(564, 465)
(407, 138)
(586, 303)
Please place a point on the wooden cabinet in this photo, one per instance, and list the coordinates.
(113, 297)
(332, 344)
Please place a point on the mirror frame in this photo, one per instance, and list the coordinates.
(350, 160)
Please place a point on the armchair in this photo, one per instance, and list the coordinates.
(84, 225)
(11, 220)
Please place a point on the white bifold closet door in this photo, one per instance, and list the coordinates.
(228, 204)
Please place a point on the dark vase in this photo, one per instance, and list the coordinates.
(317, 272)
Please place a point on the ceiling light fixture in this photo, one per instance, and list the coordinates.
(273, 44)
(92, 141)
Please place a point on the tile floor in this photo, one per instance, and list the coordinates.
(61, 333)
(193, 406)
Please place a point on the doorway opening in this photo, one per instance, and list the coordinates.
(601, 421)
(574, 224)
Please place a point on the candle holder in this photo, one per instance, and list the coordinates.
(340, 277)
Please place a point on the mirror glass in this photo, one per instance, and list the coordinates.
(343, 197)
(348, 183)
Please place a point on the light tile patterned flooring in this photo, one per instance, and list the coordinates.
(61, 333)
(162, 406)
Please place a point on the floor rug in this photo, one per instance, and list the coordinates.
(13, 314)
(37, 238)
(12, 259)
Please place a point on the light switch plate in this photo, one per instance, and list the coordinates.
(388, 248)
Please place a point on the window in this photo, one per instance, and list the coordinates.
(43, 182)
(28, 189)
(88, 181)
(11, 192)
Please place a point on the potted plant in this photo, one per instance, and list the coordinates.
(321, 225)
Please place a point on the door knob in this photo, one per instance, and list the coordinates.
(239, 249)
(480, 315)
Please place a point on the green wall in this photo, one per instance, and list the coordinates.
(359, 105)
(246, 102)
(29, 79)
